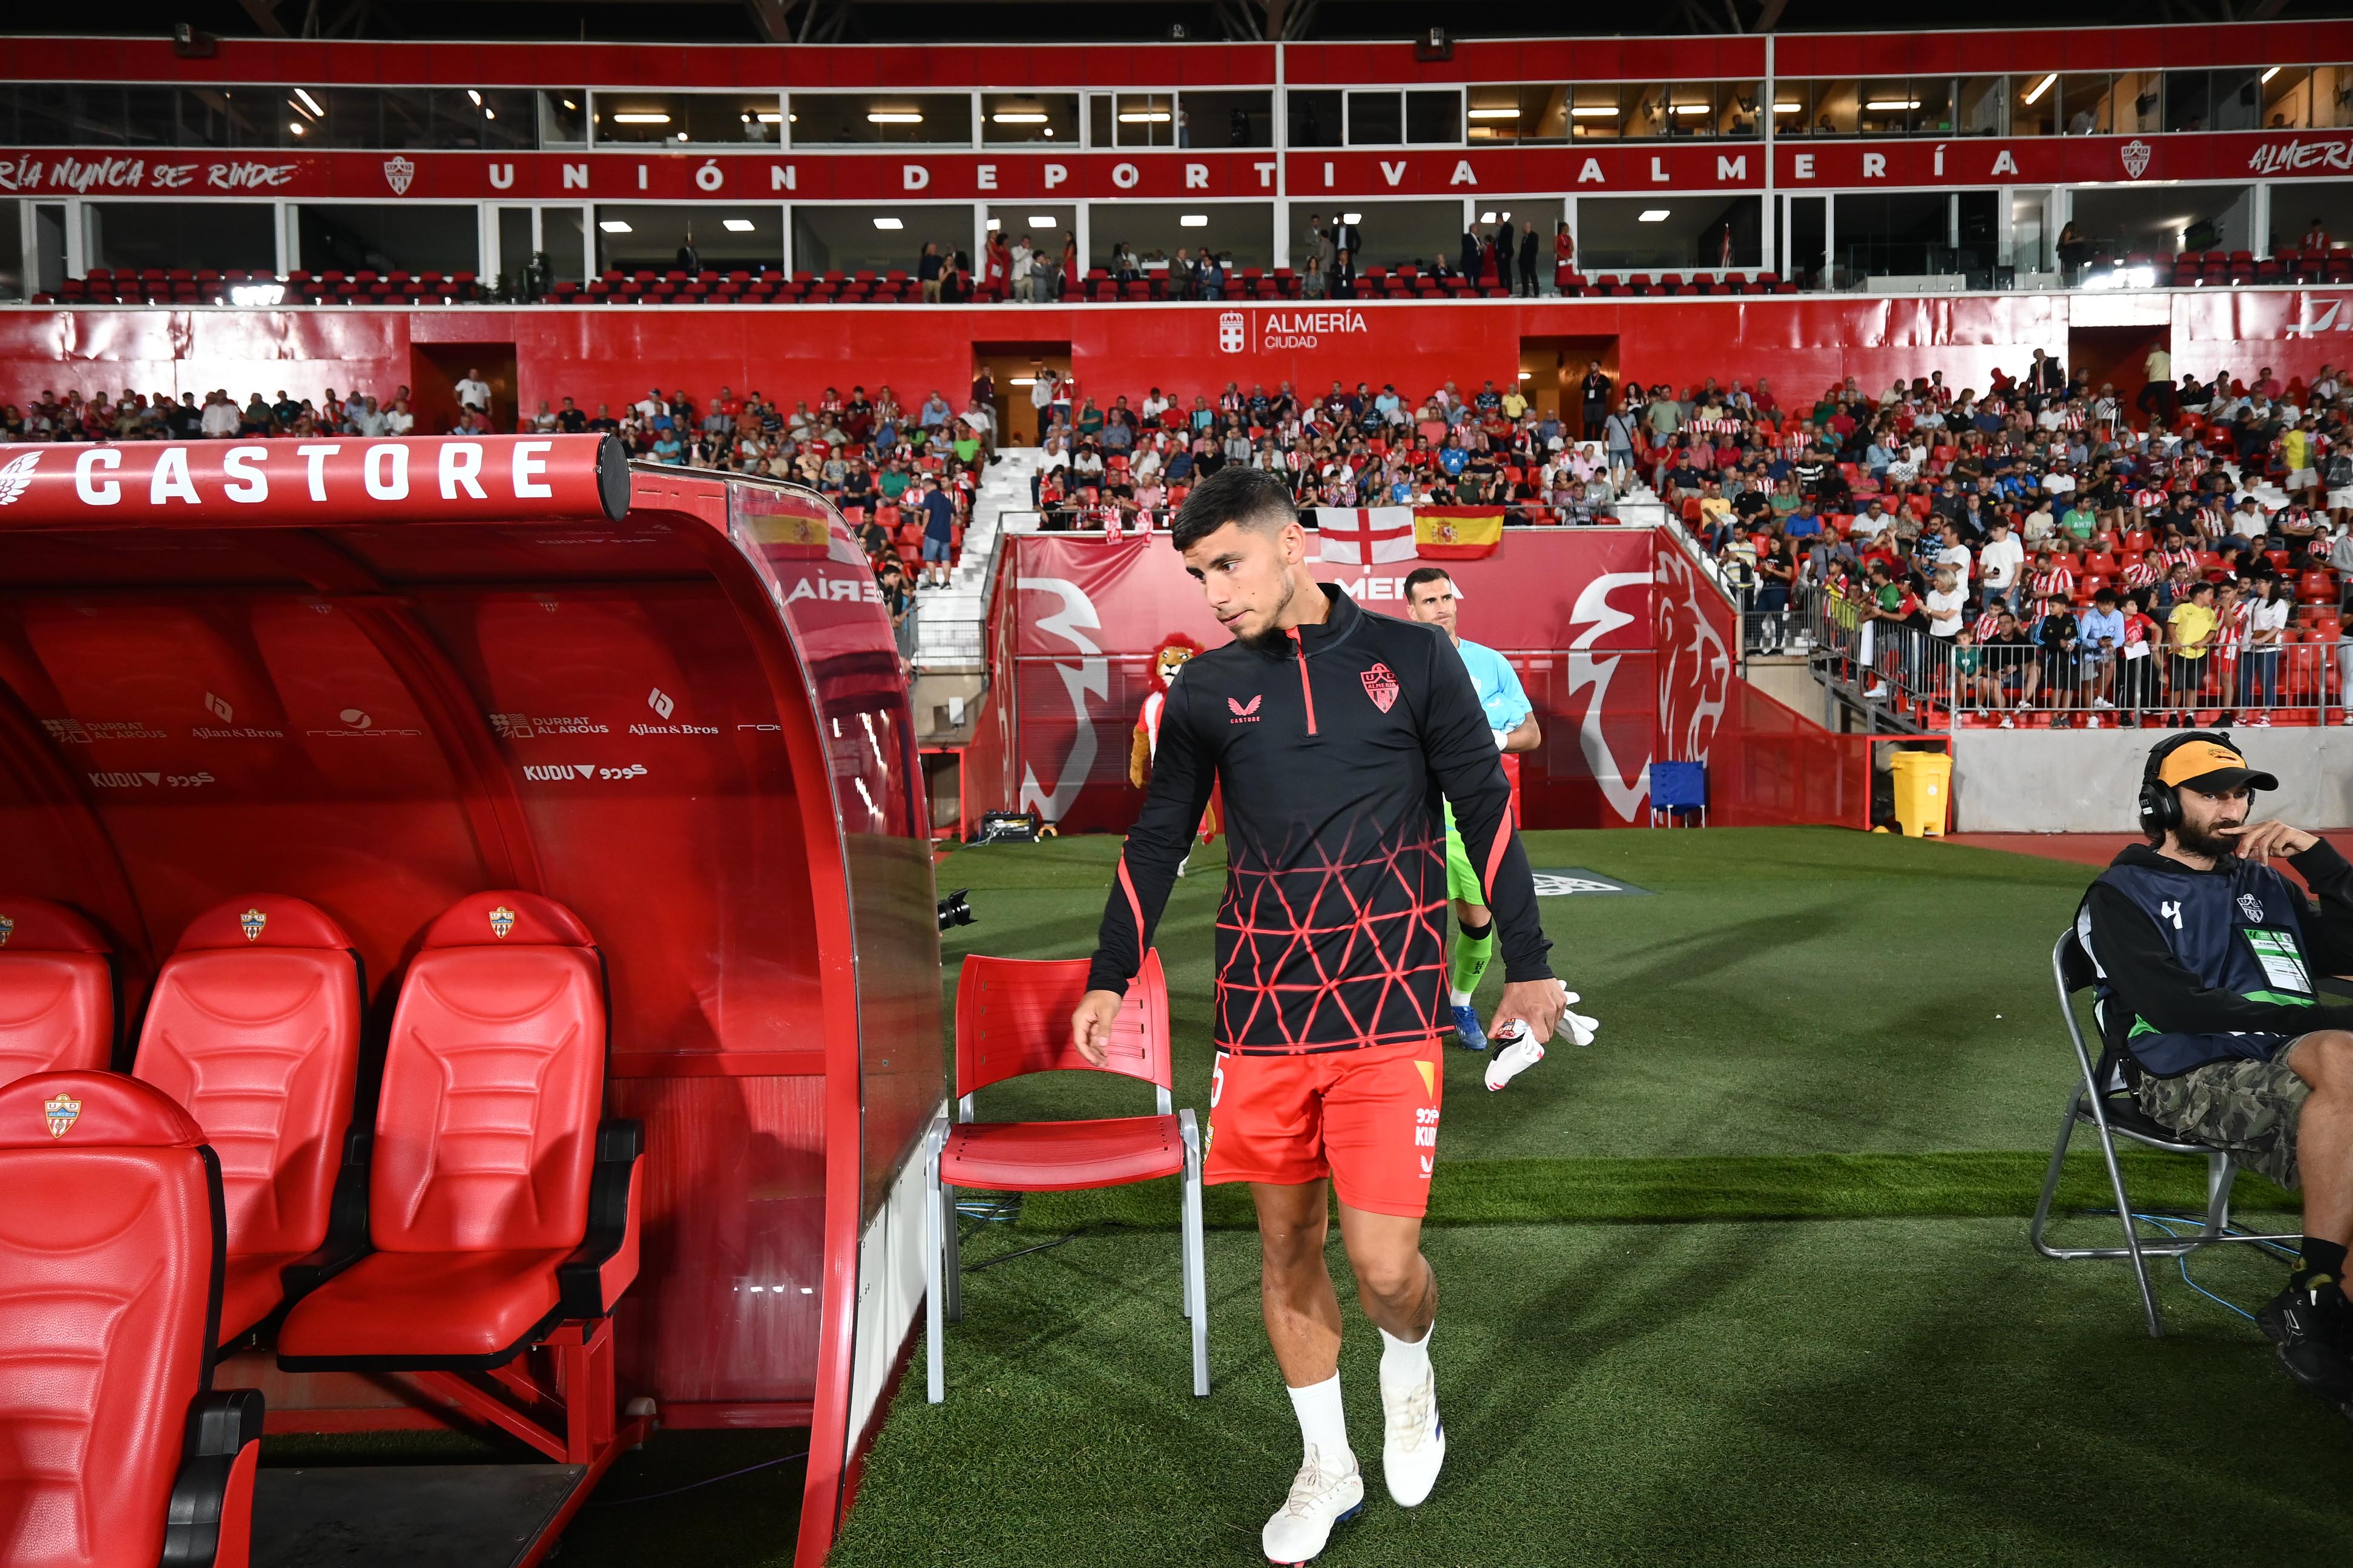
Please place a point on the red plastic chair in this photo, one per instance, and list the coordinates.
(1013, 1017)
(56, 991)
(119, 1450)
(254, 1027)
(503, 1214)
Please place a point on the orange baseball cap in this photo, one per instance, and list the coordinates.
(2211, 769)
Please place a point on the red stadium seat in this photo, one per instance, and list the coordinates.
(117, 1450)
(58, 998)
(1012, 1019)
(254, 1026)
(498, 1206)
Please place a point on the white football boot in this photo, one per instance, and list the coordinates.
(1320, 1499)
(1413, 1447)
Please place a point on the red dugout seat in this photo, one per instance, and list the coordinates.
(498, 1207)
(113, 1448)
(59, 1000)
(254, 1026)
(1013, 1017)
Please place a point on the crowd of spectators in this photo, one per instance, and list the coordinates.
(2041, 547)
(1129, 464)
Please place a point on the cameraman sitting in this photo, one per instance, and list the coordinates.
(2206, 956)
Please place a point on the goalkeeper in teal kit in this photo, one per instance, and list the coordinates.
(1429, 598)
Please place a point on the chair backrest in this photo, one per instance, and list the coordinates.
(1013, 1016)
(110, 1292)
(493, 1081)
(254, 1026)
(57, 995)
(2071, 971)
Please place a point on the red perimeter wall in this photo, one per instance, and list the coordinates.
(1627, 652)
(610, 354)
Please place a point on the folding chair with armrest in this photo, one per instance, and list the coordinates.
(1013, 1017)
(2101, 1101)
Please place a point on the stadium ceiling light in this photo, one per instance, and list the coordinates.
(1496, 113)
(1651, 214)
(297, 127)
(1043, 223)
(1595, 111)
(308, 104)
(2040, 88)
(476, 97)
(2269, 74)
(888, 222)
(1023, 381)
(569, 104)
(1194, 220)
(1486, 218)
(1018, 117)
(894, 117)
(737, 224)
(1352, 217)
(1693, 108)
(614, 225)
(1893, 103)
(1145, 117)
(490, 114)
(638, 118)
(1528, 375)
(996, 224)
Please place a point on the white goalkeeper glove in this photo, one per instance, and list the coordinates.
(1514, 1053)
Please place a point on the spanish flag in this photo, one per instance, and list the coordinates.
(1457, 532)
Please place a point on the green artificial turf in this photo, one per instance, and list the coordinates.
(1788, 991)
(1746, 1282)
(1862, 1392)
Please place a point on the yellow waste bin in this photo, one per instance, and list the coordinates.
(1924, 783)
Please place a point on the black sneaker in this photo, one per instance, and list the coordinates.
(2312, 1324)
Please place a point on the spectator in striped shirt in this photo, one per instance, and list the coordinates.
(2146, 572)
(2052, 578)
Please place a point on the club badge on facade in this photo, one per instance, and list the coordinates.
(1380, 686)
(62, 1112)
(2136, 154)
(252, 923)
(502, 920)
(397, 173)
(1233, 332)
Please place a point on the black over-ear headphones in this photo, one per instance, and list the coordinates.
(2160, 805)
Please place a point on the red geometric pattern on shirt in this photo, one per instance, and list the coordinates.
(1342, 947)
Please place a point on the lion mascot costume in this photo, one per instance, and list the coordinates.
(1168, 660)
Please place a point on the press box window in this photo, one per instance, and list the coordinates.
(855, 119)
(692, 118)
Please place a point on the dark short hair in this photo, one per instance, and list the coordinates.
(1253, 498)
(1421, 574)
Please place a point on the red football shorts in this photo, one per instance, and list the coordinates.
(1368, 1119)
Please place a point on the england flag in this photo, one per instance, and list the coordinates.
(1366, 536)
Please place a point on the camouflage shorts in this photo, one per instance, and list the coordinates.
(2248, 1106)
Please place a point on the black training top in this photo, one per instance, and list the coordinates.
(1336, 756)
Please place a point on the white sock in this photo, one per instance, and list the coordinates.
(1404, 1362)
(1458, 998)
(1322, 1423)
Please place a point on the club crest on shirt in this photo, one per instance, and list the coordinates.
(1380, 686)
(2251, 906)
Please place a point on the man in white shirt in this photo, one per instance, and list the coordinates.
(474, 393)
(1953, 554)
(2059, 482)
(220, 416)
(399, 421)
(1025, 287)
(2000, 561)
